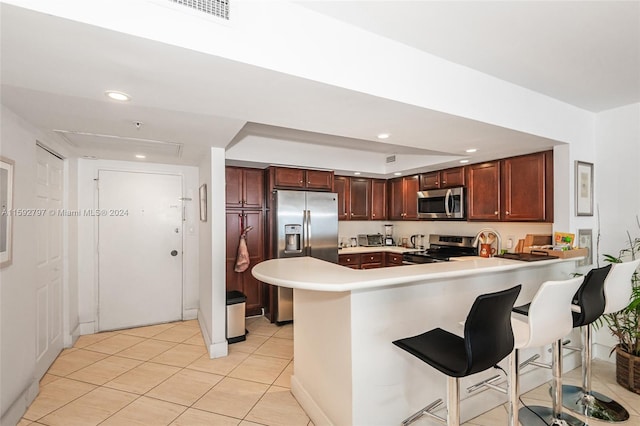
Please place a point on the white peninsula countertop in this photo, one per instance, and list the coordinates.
(313, 274)
(347, 371)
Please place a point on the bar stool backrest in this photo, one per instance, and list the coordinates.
(590, 297)
(487, 331)
(617, 286)
(549, 316)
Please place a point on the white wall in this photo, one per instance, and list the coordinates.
(87, 235)
(618, 192)
(18, 381)
(212, 308)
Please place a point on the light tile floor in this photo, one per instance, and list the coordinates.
(162, 375)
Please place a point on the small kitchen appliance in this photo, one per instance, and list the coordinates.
(388, 235)
(417, 241)
(370, 240)
(441, 249)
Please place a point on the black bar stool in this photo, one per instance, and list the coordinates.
(616, 296)
(488, 338)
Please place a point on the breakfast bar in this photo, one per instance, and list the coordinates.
(347, 372)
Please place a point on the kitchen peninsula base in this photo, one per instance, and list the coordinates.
(347, 372)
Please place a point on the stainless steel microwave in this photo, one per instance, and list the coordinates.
(441, 204)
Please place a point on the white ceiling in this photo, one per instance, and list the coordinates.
(585, 53)
(54, 77)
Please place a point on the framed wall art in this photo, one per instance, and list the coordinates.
(585, 240)
(584, 189)
(6, 211)
(203, 202)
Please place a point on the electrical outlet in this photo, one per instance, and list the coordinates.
(510, 241)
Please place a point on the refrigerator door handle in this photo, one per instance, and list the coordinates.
(307, 221)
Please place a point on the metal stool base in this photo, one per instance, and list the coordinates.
(528, 418)
(594, 405)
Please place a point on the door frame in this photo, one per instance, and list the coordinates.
(96, 232)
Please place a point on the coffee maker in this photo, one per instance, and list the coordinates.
(388, 235)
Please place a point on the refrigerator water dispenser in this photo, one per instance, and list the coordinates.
(293, 238)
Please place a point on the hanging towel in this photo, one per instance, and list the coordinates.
(242, 259)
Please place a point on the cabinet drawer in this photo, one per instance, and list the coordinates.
(349, 259)
(394, 259)
(371, 265)
(371, 258)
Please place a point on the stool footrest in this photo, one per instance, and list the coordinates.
(426, 411)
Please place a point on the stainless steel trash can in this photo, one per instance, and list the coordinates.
(236, 307)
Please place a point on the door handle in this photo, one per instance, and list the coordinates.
(174, 252)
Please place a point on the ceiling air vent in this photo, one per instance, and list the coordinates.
(391, 159)
(219, 8)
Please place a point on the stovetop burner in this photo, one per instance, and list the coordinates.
(441, 249)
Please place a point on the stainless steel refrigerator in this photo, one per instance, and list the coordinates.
(306, 224)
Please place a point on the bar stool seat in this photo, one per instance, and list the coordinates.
(617, 290)
(546, 320)
(488, 338)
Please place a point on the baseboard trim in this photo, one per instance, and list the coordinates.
(216, 350)
(313, 410)
(87, 328)
(189, 314)
(17, 409)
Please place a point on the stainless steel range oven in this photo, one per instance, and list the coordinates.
(441, 249)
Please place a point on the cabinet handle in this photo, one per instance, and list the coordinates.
(373, 215)
(300, 182)
(495, 213)
(507, 212)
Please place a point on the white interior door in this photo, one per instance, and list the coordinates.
(49, 191)
(139, 249)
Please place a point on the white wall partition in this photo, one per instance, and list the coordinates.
(18, 376)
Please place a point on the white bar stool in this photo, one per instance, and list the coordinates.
(583, 400)
(546, 320)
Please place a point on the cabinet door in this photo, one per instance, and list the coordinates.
(289, 178)
(251, 287)
(341, 187)
(233, 186)
(429, 181)
(378, 199)
(452, 177)
(396, 199)
(483, 189)
(244, 281)
(411, 187)
(523, 188)
(359, 198)
(233, 229)
(319, 179)
(253, 188)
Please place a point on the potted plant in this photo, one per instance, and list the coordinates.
(625, 324)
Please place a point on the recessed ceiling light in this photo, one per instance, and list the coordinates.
(398, 174)
(141, 156)
(464, 161)
(117, 96)
(383, 135)
(470, 150)
(356, 173)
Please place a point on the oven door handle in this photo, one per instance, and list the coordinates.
(447, 202)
